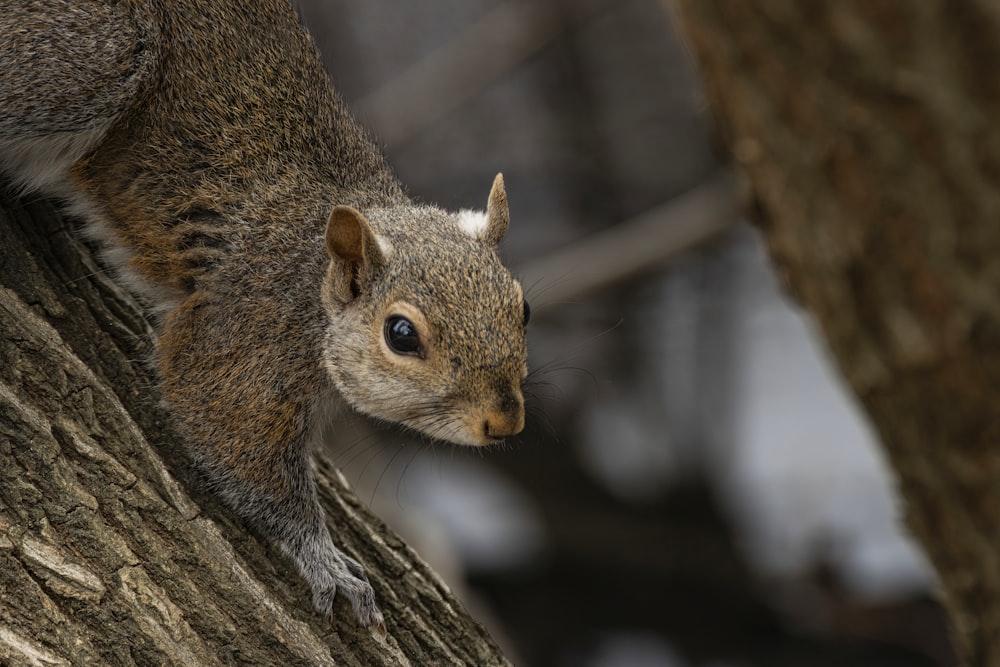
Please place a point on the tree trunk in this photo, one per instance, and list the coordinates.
(106, 557)
(868, 130)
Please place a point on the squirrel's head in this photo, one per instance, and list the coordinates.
(427, 327)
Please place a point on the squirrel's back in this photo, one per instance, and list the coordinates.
(210, 118)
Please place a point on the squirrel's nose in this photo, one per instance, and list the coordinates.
(498, 427)
(506, 421)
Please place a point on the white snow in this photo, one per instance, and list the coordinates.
(806, 478)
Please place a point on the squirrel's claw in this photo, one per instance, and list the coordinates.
(348, 578)
(355, 568)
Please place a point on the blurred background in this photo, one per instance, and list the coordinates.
(695, 487)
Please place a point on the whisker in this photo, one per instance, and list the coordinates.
(406, 468)
(377, 450)
(385, 469)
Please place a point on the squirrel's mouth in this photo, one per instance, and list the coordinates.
(457, 419)
(475, 427)
(489, 426)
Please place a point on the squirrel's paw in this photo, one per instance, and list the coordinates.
(347, 577)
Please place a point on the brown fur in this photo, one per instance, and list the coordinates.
(204, 143)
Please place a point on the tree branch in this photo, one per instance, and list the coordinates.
(869, 135)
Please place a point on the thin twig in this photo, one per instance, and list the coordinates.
(464, 65)
(637, 245)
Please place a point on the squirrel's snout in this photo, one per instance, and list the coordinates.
(491, 416)
(504, 422)
(500, 427)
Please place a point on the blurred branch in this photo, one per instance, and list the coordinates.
(637, 245)
(463, 66)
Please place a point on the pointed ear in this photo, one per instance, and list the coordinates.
(350, 239)
(497, 215)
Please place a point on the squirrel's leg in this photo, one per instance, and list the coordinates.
(68, 70)
(243, 406)
(296, 523)
(270, 484)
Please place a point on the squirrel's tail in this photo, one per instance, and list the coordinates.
(68, 70)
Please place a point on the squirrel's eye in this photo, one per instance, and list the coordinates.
(401, 336)
(527, 313)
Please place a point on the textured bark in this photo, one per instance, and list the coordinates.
(868, 130)
(106, 557)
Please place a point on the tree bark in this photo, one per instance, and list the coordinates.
(868, 130)
(110, 553)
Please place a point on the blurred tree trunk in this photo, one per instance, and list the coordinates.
(106, 558)
(869, 131)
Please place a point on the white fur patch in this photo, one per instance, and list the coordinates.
(158, 300)
(384, 245)
(472, 222)
(43, 163)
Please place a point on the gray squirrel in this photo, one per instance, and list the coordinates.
(286, 270)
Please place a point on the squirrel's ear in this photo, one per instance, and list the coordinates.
(497, 215)
(350, 239)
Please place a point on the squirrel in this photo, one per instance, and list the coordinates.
(286, 271)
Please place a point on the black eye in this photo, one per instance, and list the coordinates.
(401, 336)
(527, 313)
